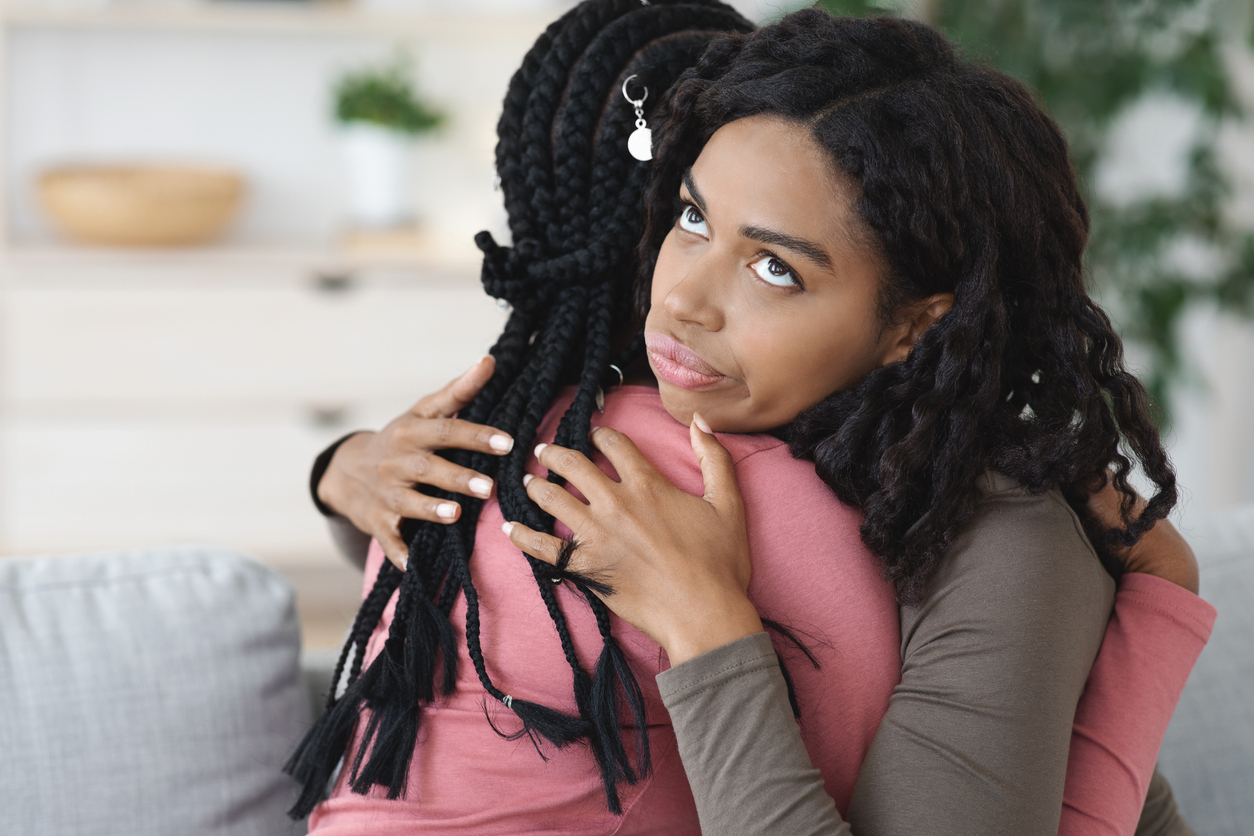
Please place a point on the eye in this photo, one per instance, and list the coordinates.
(691, 220)
(775, 272)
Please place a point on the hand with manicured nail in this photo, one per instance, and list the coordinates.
(678, 565)
(373, 477)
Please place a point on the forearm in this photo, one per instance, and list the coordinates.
(741, 748)
(1154, 637)
(348, 539)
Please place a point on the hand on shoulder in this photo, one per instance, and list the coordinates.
(1161, 552)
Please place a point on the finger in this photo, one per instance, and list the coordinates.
(1108, 505)
(454, 434)
(717, 469)
(539, 545)
(622, 453)
(575, 468)
(415, 505)
(394, 548)
(556, 500)
(439, 472)
(457, 393)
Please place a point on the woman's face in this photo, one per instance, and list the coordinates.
(765, 291)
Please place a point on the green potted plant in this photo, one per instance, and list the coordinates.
(380, 115)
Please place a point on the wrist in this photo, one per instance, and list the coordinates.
(322, 478)
(723, 624)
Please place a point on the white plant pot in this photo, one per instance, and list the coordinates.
(377, 162)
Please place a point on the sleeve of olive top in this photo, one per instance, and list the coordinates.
(750, 772)
(976, 736)
(351, 542)
(1160, 816)
(975, 739)
(741, 748)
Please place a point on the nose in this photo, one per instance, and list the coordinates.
(696, 298)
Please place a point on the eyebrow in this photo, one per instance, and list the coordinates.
(809, 249)
(770, 237)
(691, 185)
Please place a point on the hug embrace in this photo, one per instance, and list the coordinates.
(793, 497)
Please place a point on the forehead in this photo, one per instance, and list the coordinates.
(771, 171)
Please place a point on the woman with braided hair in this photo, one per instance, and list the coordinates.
(573, 199)
(809, 570)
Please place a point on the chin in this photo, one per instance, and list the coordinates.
(677, 406)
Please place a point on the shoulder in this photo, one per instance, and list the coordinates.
(1009, 519)
(1023, 562)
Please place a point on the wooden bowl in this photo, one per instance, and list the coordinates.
(140, 205)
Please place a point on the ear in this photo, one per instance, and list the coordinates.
(916, 318)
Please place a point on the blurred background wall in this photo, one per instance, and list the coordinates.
(167, 394)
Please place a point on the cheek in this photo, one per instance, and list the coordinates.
(798, 365)
(666, 271)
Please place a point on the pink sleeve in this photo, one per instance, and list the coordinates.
(1155, 635)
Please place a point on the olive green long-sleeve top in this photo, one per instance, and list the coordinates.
(977, 735)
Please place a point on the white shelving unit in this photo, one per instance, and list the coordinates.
(154, 396)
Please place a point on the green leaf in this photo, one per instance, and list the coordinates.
(384, 95)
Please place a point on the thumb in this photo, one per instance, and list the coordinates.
(457, 393)
(464, 389)
(717, 470)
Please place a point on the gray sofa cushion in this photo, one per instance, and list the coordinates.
(147, 692)
(1208, 754)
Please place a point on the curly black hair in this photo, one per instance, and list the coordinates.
(574, 197)
(965, 186)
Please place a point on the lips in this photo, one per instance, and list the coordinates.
(680, 366)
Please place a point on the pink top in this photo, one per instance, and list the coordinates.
(1154, 637)
(467, 779)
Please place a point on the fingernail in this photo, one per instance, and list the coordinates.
(701, 424)
(527, 480)
(507, 528)
(501, 443)
(539, 447)
(447, 510)
(480, 486)
(593, 431)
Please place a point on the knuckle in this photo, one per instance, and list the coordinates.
(544, 491)
(425, 408)
(548, 548)
(444, 429)
(566, 460)
(421, 466)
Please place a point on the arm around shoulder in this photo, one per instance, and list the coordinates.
(976, 737)
(741, 748)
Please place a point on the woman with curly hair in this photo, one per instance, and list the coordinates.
(865, 262)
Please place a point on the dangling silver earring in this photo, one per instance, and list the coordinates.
(640, 143)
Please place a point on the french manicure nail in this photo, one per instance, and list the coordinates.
(527, 479)
(501, 443)
(701, 424)
(507, 528)
(446, 510)
(480, 486)
(539, 447)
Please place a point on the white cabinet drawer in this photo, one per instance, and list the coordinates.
(264, 344)
(75, 485)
